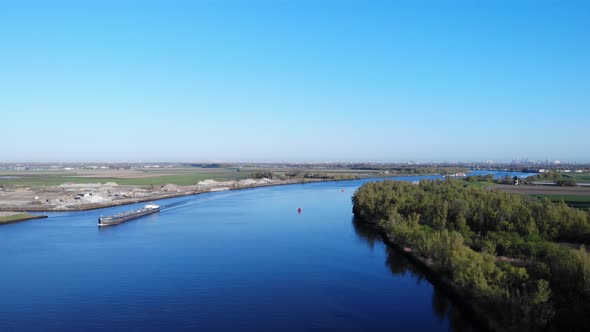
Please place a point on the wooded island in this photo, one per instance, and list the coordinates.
(503, 252)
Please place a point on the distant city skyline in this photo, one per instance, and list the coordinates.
(271, 81)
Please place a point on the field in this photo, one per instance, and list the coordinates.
(577, 201)
(577, 177)
(144, 177)
(53, 180)
(583, 177)
(578, 197)
(179, 176)
(86, 188)
(542, 190)
(480, 184)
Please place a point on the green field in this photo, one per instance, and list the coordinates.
(178, 176)
(577, 201)
(552, 177)
(184, 178)
(161, 176)
(581, 178)
(479, 184)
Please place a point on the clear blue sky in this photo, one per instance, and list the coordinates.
(294, 80)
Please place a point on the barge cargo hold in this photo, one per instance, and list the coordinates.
(125, 216)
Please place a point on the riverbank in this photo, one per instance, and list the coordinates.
(14, 217)
(83, 197)
(478, 316)
(91, 196)
(521, 278)
(233, 241)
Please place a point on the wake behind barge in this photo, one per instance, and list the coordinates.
(122, 217)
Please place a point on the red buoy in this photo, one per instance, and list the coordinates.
(299, 210)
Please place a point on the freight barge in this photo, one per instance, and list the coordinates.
(125, 216)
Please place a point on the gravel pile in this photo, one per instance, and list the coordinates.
(171, 188)
(207, 183)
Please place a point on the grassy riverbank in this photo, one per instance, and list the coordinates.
(12, 217)
(497, 250)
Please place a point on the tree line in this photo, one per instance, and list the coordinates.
(501, 250)
(559, 179)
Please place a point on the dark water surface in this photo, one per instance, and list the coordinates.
(238, 260)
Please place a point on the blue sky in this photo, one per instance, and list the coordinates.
(294, 80)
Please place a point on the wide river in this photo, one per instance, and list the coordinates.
(234, 260)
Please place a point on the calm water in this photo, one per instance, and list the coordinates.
(239, 260)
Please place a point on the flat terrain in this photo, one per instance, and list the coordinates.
(10, 217)
(182, 176)
(541, 190)
(579, 178)
(178, 176)
(578, 197)
(577, 201)
(85, 196)
(82, 189)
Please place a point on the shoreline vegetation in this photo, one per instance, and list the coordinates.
(498, 253)
(473, 312)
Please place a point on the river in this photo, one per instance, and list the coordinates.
(243, 259)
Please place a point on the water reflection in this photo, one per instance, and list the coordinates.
(440, 304)
(366, 233)
(398, 264)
